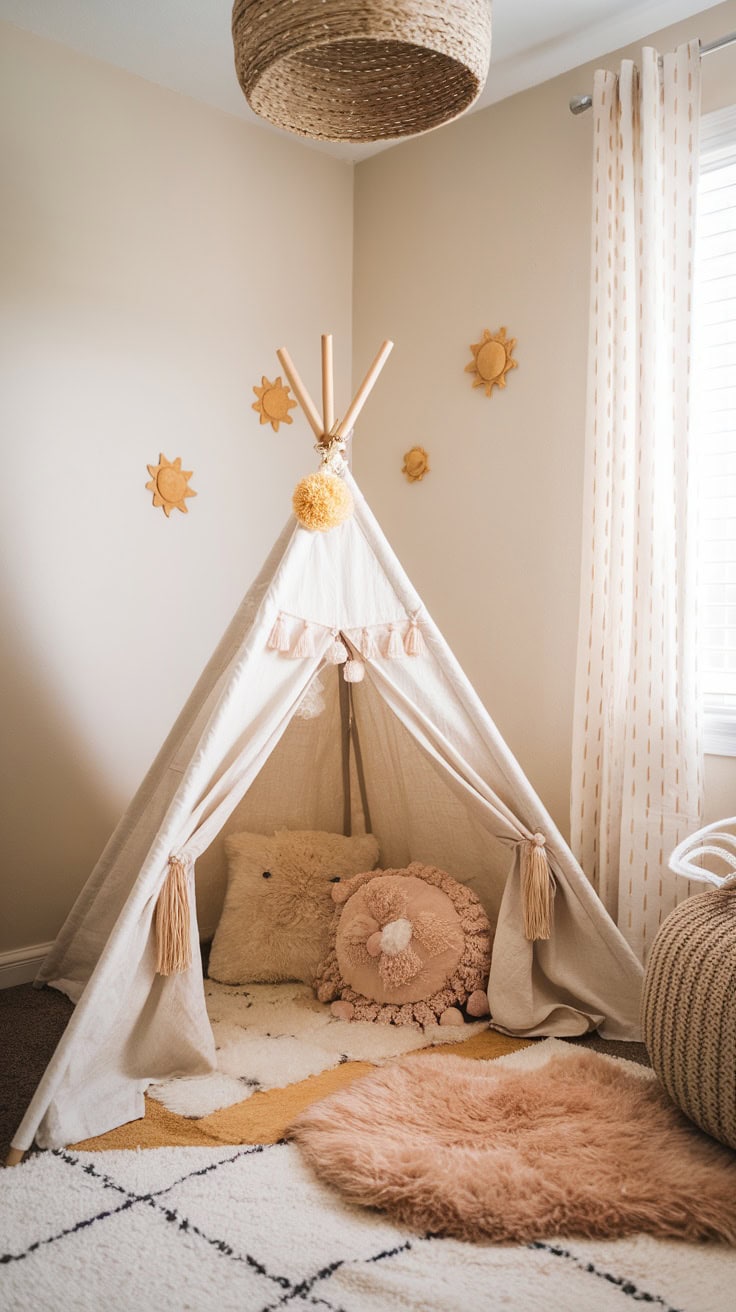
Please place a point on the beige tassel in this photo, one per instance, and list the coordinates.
(173, 945)
(394, 646)
(368, 646)
(278, 639)
(353, 671)
(536, 888)
(304, 645)
(414, 642)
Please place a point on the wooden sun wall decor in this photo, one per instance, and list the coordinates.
(274, 403)
(491, 360)
(169, 485)
(416, 464)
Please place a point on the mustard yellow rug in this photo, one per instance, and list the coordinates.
(263, 1117)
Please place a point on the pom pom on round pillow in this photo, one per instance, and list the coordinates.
(408, 947)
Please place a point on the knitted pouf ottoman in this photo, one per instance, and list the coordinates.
(689, 1010)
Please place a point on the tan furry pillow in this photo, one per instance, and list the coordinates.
(278, 907)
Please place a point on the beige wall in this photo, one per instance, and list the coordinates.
(483, 224)
(153, 254)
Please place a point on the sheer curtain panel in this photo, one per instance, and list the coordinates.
(637, 764)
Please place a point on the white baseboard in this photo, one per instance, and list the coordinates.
(22, 964)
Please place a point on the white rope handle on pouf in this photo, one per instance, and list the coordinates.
(694, 848)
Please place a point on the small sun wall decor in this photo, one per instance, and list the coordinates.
(169, 485)
(416, 464)
(274, 403)
(492, 360)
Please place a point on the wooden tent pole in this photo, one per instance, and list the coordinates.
(14, 1157)
(301, 393)
(328, 393)
(345, 735)
(365, 389)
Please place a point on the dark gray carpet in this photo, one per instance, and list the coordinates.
(31, 1023)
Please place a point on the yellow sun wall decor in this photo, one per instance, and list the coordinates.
(416, 464)
(491, 360)
(274, 403)
(169, 485)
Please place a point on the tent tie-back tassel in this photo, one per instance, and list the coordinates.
(304, 645)
(414, 642)
(172, 920)
(394, 646)
(278, 639)
(353, 671)
(536, 888)
(337, 652)
(368, 645)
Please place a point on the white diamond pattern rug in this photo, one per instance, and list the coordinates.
(270, 1035)
(250, 1230)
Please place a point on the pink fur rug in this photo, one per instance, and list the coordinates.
(580, 1146)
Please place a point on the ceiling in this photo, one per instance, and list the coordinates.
(185, 45)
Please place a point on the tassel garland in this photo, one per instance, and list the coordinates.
(414, 642)
(172, 921)
(368, 646)
(304, 645)
(354, 671)
(394, 646)
(337, 653)
(536, 889)
(278, 639)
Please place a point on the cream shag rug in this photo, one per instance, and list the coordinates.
(271, 1035)
(252, 1230)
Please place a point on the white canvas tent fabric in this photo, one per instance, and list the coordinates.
(442, 787)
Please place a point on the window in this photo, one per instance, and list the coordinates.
(715, 408)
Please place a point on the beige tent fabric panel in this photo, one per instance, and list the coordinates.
(157, 1025)
(136, 890)
(574, 982)
(416, 815)
(215, 808)
(584, 960)
(124, 997)
(181, 996)
(400, 690)
(334, 587)
(299, 787)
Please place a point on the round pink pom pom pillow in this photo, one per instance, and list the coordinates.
(407, 947)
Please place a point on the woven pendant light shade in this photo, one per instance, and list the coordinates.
(361, 70)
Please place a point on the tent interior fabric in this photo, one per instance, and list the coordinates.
(441, 787)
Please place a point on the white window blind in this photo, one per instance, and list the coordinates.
(715, 411)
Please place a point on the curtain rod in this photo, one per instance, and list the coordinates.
(579, 104)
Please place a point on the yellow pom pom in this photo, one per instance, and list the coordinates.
(322, 501)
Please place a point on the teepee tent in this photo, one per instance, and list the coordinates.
(409, 752)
